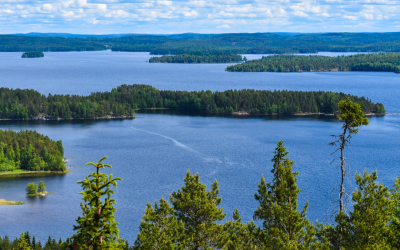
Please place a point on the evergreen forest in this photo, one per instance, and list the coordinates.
(32, 54)
(124, 100)
(234, 43)
(291, 63)
(30, 151)
(198, 58)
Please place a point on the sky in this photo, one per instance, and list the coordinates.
(198, 16)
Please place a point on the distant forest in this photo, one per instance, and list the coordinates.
(32, 54)
(31, 151)
(199, 58)
(239, 43)
(123, 100)
(290, 63)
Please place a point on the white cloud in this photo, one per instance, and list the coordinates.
(350, 17)
(225, 26)
(102, 7)
(191, 13)
(168, 3)
(300, 14)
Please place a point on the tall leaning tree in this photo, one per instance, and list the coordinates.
(353, 117)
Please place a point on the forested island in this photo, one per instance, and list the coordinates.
(234, 43)
(198, 58)
(32, 54)
(122, 102)
(29, 151)
(291, 63)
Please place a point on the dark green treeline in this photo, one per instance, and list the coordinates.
(199, 58)
(123, 100)
(32, 54)
(289, 63)
(31, 151)
(51, 244)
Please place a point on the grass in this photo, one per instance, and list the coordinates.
(20, 172)
(39, 194)
(6, 202)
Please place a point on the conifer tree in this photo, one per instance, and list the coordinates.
(238, 235)
(23, 243)
(159, 228)
(199, 212)
(97, 228)
(283, 227)
(353, 117)
(394, 229)
(366, 227)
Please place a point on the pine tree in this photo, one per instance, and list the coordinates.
(283, 227)
(23, 243)
(238, 235)
(394, 229)
(159, 228)
(366, 227)
(97, 229)
(353, 117)
(199, 212)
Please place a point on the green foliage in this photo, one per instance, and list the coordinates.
(159, 228)
(199, 212)
(291, 63)
(123, 100)
(239, 235)
(32, 54)
(97, 228)
(31, 151)
(283, 227)
(31, 188)
(394, 227)
(15, 43)
(198, 58)
(366, 227)
(25, 241)
(352, 115)
(42, 187)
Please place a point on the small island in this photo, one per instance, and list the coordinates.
(199, 58)
(389, 62)
(32, 54)
(6, 202)
(32, 189)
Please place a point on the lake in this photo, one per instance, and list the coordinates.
(153, 151)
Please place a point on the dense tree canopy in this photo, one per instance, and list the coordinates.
(30, 150)
(239, 43)
(291, 63)
(32, 54)
(199, 58)
(123, 100)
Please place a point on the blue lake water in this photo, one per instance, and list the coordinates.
(153, 151)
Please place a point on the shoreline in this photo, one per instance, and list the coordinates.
(4, 202)
(41, 118)
(28, 173)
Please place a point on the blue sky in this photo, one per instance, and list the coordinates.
(200, 16)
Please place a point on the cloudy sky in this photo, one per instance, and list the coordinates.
(200, 16)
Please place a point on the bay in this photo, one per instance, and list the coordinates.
(153, 151)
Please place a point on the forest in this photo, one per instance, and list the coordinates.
(291, 63)
(125, 99)
(199, 58)
(30, 151)
(32, 54)
(234, 43)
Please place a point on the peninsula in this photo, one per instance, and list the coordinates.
(122, 102)
(297, 63)
(199, 58)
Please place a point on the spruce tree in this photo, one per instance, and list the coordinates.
(366, 227)
(199, 212)
(283, 227)
(159, 228)
(97, 228)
